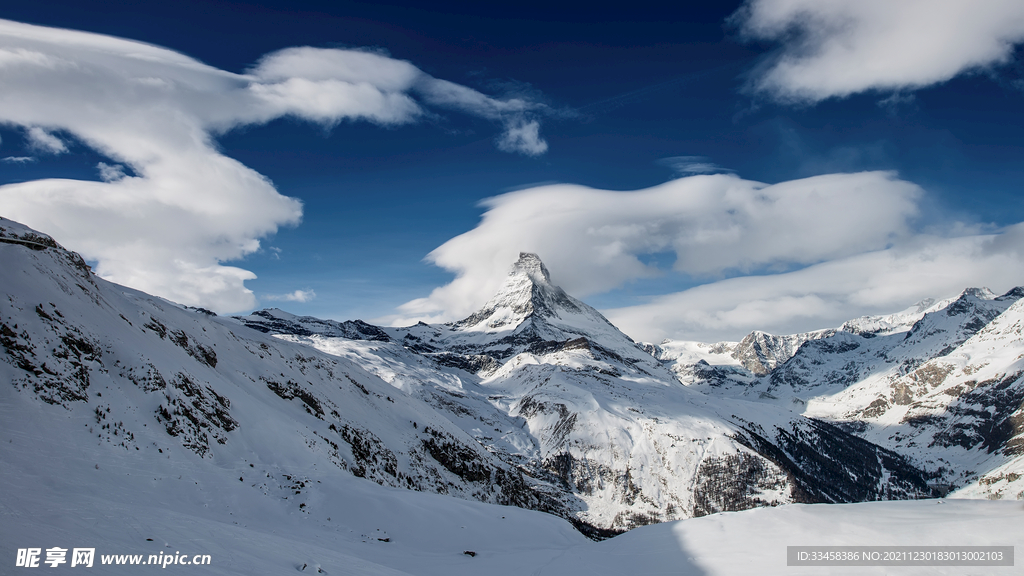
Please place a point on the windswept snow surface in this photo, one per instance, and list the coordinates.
(54, 496)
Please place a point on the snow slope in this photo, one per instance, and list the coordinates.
(54, 495)
(146, 375)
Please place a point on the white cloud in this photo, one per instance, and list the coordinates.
(19, 159)
(297, 296)
(42, 141)
(110, 173)
(523, 137)
(690, 165)
(186, 208)
(849, 240)
(830, 293)
(591, 239)
(834, 48)
(326, 86)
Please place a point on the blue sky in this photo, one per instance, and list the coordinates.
(622, 101)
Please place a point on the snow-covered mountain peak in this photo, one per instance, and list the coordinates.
(531, 265)
(760, 352)
(979, 293)
(526, 292)
(530, 314)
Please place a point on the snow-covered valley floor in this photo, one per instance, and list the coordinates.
(59, 492)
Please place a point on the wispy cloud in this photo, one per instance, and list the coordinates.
(517, 114)
(297, 296)
(110, 173)
(42, 141)
(835, 48)
(691, 165)
(19, 159)
(186, 208)
(523, 137)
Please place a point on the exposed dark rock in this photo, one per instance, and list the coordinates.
(827, 464)
(736, 482)
(276, 322)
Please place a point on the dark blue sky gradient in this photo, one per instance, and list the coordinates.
(633, 84)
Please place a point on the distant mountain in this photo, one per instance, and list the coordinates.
(939, 383)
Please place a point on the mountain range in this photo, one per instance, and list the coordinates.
(535, 401)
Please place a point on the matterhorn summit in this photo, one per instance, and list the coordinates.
(530, 264)
(530, 314)
(526, 291)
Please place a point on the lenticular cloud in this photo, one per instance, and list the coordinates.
(834, 48)
(170, 208)
(594, 240)
(784, 258)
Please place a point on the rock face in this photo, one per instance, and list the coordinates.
(760, 352)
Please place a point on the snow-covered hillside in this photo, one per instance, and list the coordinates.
(149, 376)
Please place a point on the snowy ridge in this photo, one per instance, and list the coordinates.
(892, 323)
(147, 376)
(730, 362)
(281, 322)
(939, 383)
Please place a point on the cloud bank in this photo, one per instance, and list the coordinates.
(169, 209)
(827, 294)
(714, 225)
(835, 48)
(840, 246)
